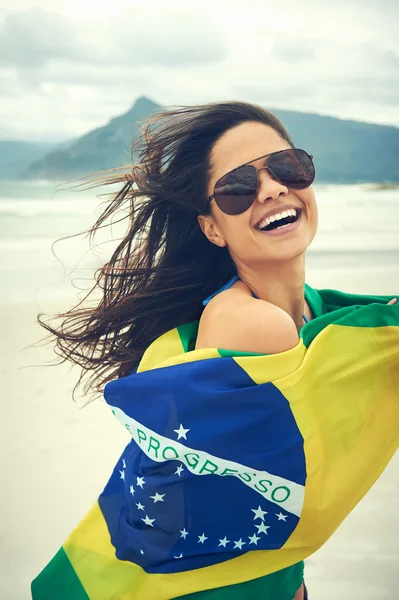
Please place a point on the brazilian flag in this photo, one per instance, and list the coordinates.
(240, 465)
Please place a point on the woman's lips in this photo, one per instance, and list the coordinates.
(284, 229)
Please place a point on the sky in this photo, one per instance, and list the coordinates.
(69, 67)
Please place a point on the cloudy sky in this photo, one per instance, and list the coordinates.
(68, 67)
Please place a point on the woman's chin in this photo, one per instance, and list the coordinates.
(288, 251)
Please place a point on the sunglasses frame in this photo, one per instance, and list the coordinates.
(264, 167)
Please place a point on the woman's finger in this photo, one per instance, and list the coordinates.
(393, 301)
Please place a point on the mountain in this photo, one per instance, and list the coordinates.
(15, 156)
(345, 151)
(100, 149)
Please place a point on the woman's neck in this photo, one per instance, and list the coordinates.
(280, 283)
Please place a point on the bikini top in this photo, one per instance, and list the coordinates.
(228, 285)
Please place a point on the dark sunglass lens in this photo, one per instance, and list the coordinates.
(293, 167)
(235, 192)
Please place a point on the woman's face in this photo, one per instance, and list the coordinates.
(247, 244)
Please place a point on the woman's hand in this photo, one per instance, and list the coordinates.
(393, 301)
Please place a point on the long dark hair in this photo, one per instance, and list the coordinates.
(164, 267)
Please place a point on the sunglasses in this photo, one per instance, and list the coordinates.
(236, 190)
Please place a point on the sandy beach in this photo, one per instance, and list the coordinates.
(56, 458)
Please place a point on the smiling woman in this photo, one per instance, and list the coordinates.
(233, 408)
(267, 217)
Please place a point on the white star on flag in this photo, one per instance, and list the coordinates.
(124, 463)
(239, 544)
(224, 541)
(140, 506)
(122, 475)
(181, 432)
(141, 551)
(184, 533)
(148, 521)
(140, 481)
(202, 538)
(254, 539)
(132, 490)
(180, 556)
(259, 513)
(158, 497)
(179, 470)
(262, 528)
(281, 517)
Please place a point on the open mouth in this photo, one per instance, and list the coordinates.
(280, 220)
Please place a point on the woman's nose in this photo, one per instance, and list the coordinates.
(269, 188)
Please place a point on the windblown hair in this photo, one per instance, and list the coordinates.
(164, 266)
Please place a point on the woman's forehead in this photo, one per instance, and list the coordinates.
(242, 144)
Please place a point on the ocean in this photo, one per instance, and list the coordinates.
(358, 235)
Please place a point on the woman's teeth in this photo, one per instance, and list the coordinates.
(291, 213)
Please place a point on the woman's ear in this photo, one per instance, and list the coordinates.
(211, 230)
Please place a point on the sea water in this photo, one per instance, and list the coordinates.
(358, 235)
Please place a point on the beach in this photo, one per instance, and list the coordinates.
(57, 456)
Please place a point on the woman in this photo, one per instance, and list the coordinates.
(267, 243)
(221, 213)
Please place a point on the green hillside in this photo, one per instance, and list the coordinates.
(345, 151)
(100, 149)
(15, 156)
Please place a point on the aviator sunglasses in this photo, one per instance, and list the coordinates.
(236, 190)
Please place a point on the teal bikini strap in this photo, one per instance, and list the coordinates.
(222, 289)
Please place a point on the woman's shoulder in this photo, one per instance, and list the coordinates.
(235, 320)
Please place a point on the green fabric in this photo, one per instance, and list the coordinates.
(341, 308)
(223, 352)
(281, 585)
(188, 335)
(333, 299)
(315, 301)
(58, 575)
